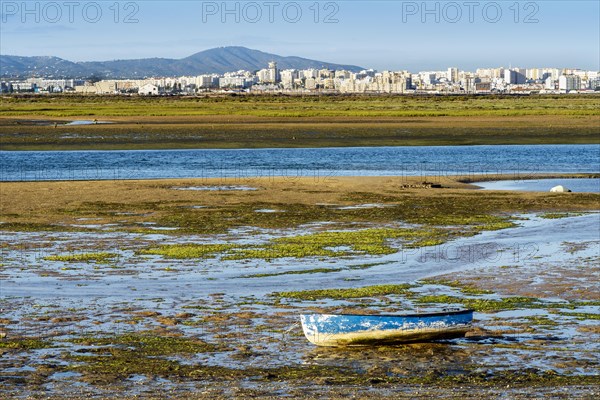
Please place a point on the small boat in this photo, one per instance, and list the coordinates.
(361, 330)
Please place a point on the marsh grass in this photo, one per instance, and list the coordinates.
(295, 121)
(300, 106)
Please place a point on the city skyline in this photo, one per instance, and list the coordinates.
(380, 35)
(211, 55)
(273, 79)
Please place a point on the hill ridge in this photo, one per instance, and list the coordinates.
(216, 60)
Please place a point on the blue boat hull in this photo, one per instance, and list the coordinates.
(361, 330)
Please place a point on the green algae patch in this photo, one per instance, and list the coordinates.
(116, 357)
(342, 294)
(430, 211)
(315, 270)
(367, 265)
(505, 379)
(464, 288)
(150, 345)
(24, 344)
(494, 226)
(476, 219)
(297, 272)
(283, 250)
(367, 241)
(558, 215)
(462, 213)
(485, 305)
(373, 241)
(295, 373)
(41, 227)
(120, 364)
(183, 251)
(83, 257)
(222, 217)
(541, 320)
(581, 316)
(476, 223)
(332, 377)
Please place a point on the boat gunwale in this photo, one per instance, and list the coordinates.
(432, 314)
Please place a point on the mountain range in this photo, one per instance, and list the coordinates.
(218, 60)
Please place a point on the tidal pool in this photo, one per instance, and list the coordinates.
(87, 122)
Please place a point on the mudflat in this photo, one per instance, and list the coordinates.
(175, 286)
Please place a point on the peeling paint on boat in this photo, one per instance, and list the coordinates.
(356, 330)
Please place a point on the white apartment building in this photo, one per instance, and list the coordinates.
(569, 82)
(207, 81)
(289, 78)
(308, 73)
(452, 74)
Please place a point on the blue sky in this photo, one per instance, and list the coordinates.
(376, 34)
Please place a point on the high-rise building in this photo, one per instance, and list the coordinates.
(273, 72)
(288, 76)
(207, 81)
(452, 75)
(515, 76)
(309, 73)
(569, 82)
(510, 76)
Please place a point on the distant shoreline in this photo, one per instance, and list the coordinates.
(412, 182)
(267, 121)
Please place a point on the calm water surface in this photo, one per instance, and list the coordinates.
(322, 162)
(544, 185)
